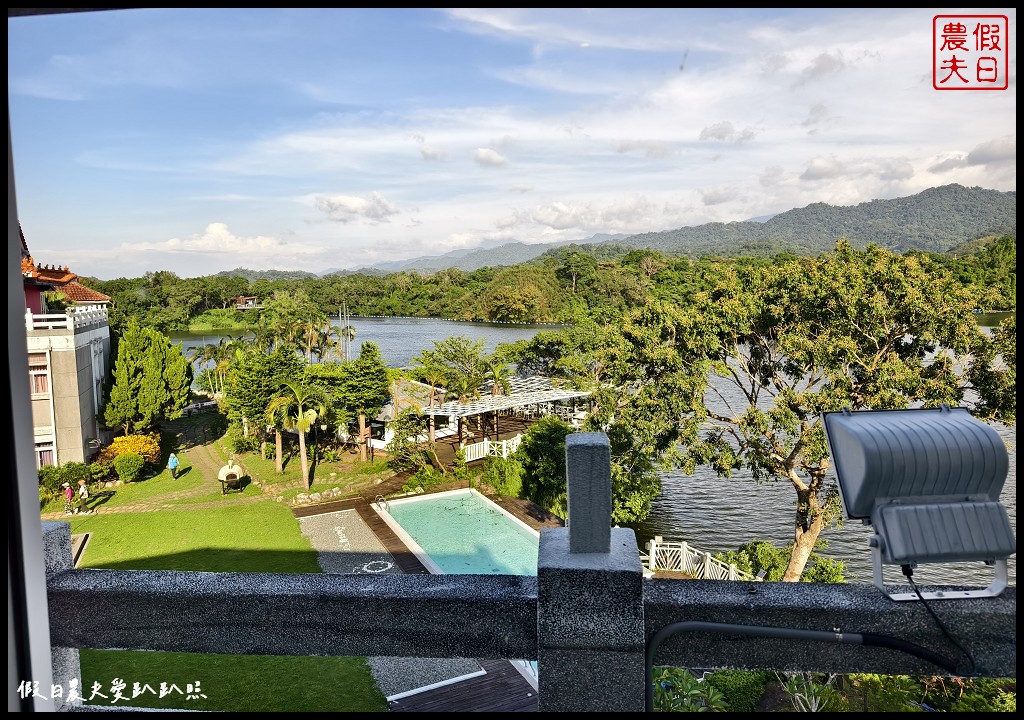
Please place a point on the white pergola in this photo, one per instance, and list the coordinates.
(526, 392)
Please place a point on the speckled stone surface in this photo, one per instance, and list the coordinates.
(344, 544)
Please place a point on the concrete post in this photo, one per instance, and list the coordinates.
(67, 670)
(590, 618)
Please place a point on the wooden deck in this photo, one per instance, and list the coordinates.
(501, 689)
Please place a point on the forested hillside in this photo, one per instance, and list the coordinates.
(935, 220)
(559, 287)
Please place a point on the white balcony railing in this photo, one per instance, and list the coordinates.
(77, 317)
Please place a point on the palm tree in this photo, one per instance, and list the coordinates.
(297, 407)
(329, 341)
(434, 377)
(309, 339)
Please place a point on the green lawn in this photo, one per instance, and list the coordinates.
(233, 537)
(252, 537)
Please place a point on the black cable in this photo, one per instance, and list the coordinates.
(869, 640)
(909, 572)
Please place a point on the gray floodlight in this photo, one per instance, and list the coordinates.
(928, 481)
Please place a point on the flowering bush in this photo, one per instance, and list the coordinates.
(147, 446)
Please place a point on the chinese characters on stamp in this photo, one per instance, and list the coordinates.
(970, 52)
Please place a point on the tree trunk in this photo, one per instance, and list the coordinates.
(809, 524)
(430, 429)
(302, 457)
(363, 438)
(278, 457)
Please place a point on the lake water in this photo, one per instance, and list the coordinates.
(402, 339)
(711, 513)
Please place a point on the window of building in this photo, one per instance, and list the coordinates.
(39, 374)
(45, 455)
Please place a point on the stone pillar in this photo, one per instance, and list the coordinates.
(590, 618)
(67, 670)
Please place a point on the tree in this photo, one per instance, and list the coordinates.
(854, 329)
(255, 379)
(542, 458)
(368, 388)
(645, 374)
(297, 407)
(757, 555)
(151, 380)
(459, 361)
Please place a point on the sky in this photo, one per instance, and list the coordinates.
(203, 140)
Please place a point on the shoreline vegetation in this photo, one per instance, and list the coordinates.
(564, 287)
(214, 321)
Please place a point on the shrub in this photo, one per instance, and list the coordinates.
(241, 444)
(677, 690)
(742, 689)
(52, 477)
(49, 478)
(881, 693)
(129, 467)
(426, 478)
(813, 692)
(46, 495)
(759, 555)
(146, 446)
(505, 475)
(100, 471)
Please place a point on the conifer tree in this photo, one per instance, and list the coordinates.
(152, 380)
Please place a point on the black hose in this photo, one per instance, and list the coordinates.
(868, 639)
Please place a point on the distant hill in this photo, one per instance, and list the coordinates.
(509, 254)
(939, 220)
(254, 275)
(936, 220)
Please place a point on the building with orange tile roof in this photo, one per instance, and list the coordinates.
(68, 358)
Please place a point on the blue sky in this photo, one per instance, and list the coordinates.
(201, 140)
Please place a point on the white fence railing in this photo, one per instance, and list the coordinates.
(495, 448)
(77, 317)
(681, 556)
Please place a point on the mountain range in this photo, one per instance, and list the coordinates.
(936, 220)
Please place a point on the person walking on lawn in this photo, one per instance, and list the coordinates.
(172, 465)
(69, 498)
(83, 498)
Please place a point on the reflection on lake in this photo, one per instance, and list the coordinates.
(401, 339)
(712, 513)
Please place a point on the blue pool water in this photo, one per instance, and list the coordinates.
(463, 533)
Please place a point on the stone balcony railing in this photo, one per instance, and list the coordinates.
(589, 618)
(76, 318)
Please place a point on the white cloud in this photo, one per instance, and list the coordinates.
(346, 208)
(821, 168)
(717, 196)
(1000, 150)
(489, 158)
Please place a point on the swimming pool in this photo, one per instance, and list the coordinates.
(461, 532)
